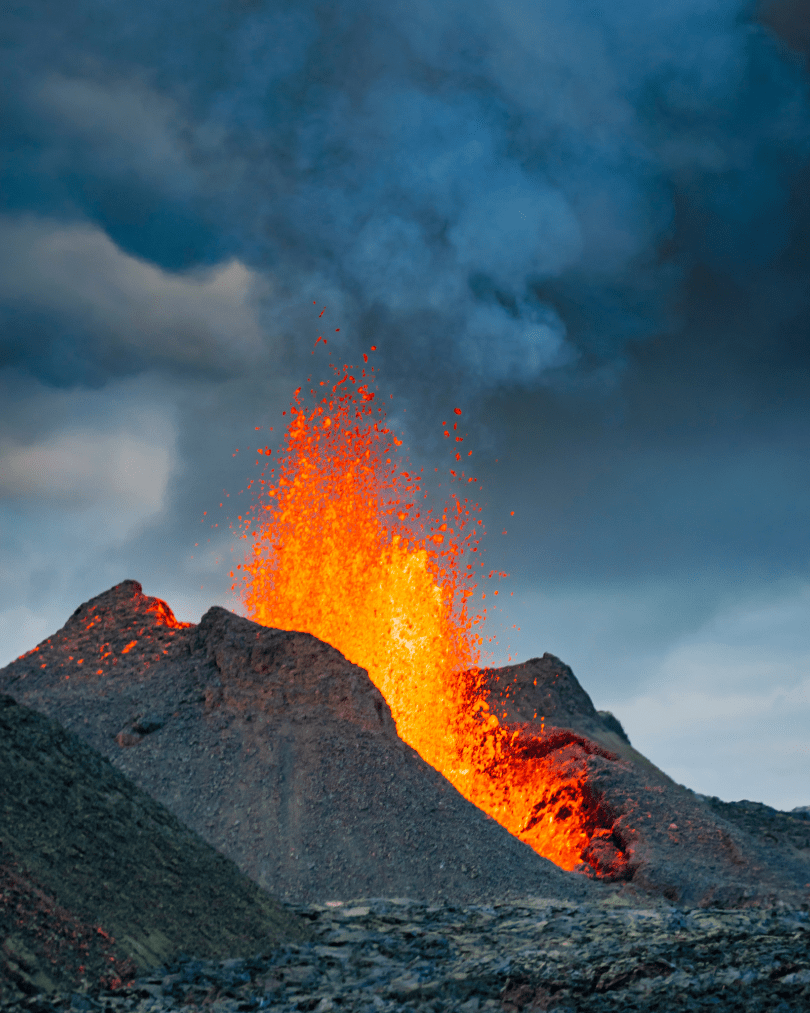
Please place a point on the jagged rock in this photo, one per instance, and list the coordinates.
(276, 750)
(402, 957)
(545, 691)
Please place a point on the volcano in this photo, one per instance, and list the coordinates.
(285, 758)
(276, 750)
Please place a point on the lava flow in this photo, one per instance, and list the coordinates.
(341, 548)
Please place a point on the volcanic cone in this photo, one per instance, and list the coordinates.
(276, 750)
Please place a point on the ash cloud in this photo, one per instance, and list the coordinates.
(459, 167)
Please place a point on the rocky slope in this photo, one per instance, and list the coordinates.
(98, 880)
(284, 758)
(663, 838)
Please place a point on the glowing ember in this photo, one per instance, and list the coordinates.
(341, 548)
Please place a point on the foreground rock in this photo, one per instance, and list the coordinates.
(276, 751)
(97, 880)
(399, 955)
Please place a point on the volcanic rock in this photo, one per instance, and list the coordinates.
(648, 830)
(402, 956)
(277, 751)
(98, 880)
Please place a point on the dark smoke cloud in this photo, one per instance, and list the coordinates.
(585, 224)
(460, 169)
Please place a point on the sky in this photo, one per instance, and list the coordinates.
(586, 225)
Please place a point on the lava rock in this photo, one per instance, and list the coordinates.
(545, 691)
(656, 835)
(400, 956)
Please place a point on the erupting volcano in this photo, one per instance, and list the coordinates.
(341, 547)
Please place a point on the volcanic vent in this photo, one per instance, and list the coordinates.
(284, 757)
(342, 546)
(283, 752)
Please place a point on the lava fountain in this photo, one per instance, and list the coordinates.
(341, 547)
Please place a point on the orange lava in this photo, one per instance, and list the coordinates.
(342, 548)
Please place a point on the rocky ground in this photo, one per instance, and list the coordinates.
(400, 955)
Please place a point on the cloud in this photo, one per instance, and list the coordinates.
(113, 450)
(403, 155)
(125, 311)
(746, 741)
(119, 125)
(82, 467)
(501, 346)
(516, 226)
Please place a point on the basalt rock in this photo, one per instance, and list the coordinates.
(399, 956)
(274, 749)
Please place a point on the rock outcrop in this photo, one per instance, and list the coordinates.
(657, 835)
(544, 691)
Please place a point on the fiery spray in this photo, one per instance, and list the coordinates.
(342, 548)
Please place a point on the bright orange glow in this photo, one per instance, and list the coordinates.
(341, 549)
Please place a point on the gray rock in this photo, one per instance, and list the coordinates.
(613, 724)
(400, 955)
(98, 878)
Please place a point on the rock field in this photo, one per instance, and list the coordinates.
(401, 955)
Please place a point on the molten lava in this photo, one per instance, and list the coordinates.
(341, 548)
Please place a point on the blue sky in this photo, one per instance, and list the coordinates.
(585, 224)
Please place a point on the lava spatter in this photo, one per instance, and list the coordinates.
(340, 548)
(92, 641)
